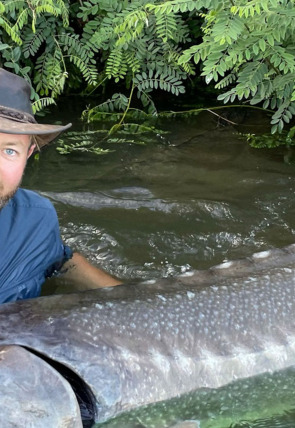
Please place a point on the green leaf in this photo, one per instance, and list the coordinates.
(262, 44)
(270, 39)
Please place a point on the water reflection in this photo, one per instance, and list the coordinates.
(157, 210)
(265, 401)
(286, 420)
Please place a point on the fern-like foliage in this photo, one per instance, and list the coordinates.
(32, 42)
(248, 47)
(107, 109)
(245, 48)
(47, 46)
(42, 103)
(167, 82)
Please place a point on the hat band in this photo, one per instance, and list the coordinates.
(16, 115)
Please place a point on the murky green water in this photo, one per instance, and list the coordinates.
(266, 401)
(191, 199)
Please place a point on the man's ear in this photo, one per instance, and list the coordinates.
(31, 149)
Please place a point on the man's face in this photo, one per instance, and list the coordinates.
(14, 152)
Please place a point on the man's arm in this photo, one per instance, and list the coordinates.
(85, 275)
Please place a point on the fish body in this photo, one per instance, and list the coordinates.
(137, 344)
(29, 391)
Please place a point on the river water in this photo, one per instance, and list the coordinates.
(191, 198)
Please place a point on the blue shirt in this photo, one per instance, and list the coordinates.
(31, 248)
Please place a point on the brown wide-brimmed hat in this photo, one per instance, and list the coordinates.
(16, 114)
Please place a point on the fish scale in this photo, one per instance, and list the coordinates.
(137, 344)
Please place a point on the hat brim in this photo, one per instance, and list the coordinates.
(44, 133)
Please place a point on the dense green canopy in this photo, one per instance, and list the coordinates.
(245, 48)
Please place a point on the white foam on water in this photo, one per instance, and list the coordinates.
(224, 265)
(261, 254)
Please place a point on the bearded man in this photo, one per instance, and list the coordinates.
(31, 248)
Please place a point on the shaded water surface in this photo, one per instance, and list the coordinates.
(194, 197)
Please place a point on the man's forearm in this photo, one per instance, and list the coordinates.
(86, 276)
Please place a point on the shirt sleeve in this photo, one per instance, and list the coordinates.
(55, 268)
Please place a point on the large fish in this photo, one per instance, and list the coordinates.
(138, 344)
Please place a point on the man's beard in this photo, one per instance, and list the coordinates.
(5, 198)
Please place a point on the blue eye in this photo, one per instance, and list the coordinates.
(10, 152)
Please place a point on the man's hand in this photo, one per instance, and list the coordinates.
(85, 275)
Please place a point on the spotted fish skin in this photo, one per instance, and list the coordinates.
(26, 383)
(138, 344)
(187, 424)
